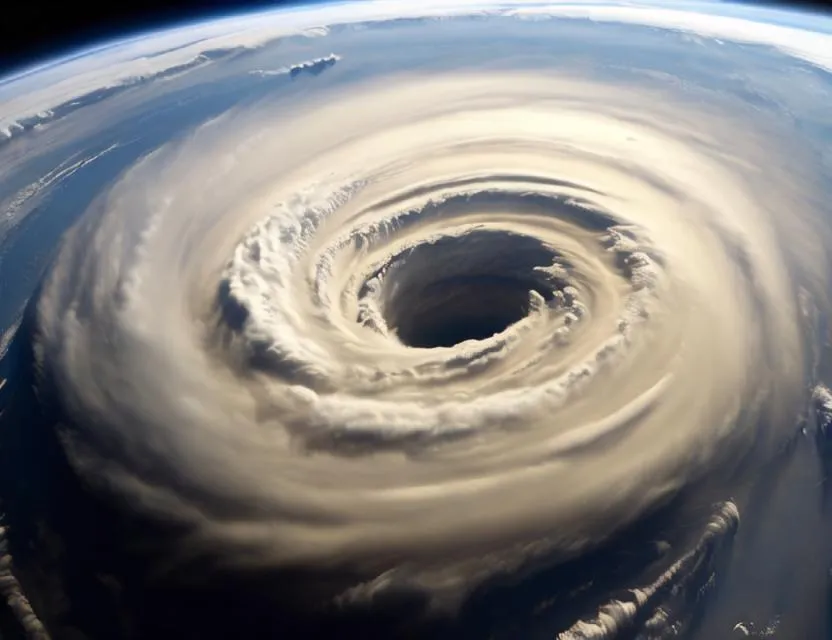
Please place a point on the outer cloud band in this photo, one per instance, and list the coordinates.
(308, 436)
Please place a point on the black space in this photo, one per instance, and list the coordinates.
(808, 5)
(33, 32)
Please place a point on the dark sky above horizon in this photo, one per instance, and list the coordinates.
(32, 33)
(35, 33)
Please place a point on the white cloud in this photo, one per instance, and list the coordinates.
(314, 65)
(31, 93)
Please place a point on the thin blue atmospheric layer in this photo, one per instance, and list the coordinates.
(123, 35)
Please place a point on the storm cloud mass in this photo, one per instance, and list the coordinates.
(424, 331)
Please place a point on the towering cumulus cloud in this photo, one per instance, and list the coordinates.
(434, 331)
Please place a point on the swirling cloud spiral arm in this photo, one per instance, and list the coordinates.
(265, 342)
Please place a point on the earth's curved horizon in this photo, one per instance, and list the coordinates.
(451, 320)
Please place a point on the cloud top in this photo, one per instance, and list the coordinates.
(228, 325)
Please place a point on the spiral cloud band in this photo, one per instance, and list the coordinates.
(380, 320)
(433, 329)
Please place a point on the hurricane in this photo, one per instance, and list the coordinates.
(411, 338)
